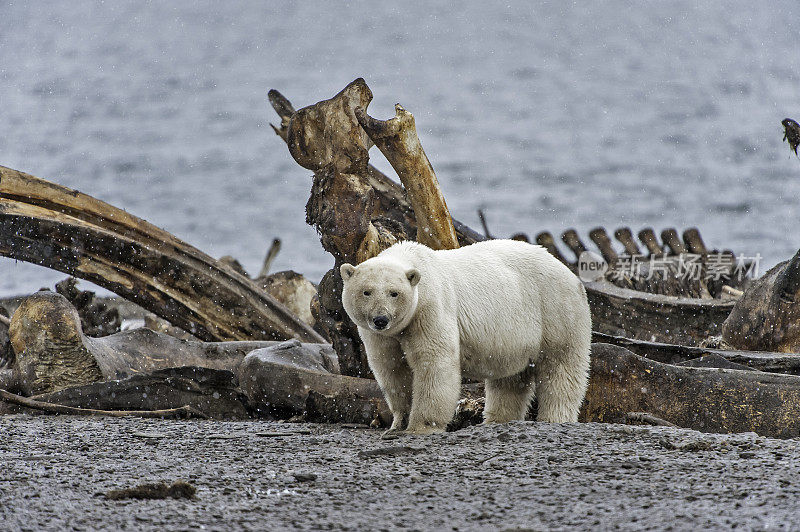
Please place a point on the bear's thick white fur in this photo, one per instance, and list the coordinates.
(501, 310)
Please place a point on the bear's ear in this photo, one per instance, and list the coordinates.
(347, 271)
(413, 276)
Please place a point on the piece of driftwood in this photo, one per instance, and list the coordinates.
(788, 363)
(398, 141)
(182, 412)
(63, 229)
(708, 400)
(211, 393)
(53, 353)
(767, 316)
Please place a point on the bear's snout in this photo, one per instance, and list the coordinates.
(380, 322)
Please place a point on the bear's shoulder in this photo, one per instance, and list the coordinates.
(407, 252)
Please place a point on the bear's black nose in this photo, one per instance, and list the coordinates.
(380, 322)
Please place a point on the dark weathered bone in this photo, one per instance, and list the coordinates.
(97, 318)
(50, 225)
(547, 241)
(211, 393)
(648, 238)
(391, 198)
(53, 353)
(327, 133)
(788, 363)
(285, 111)
(693, 241)
(767, 315)
(790, 280)
(398, 141)
(732, 401)
(573, 241)
(625, 236)
(645, 316)
(603, 242)
(672, 240)
(280, 385)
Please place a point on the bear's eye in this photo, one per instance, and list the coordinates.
(393, 294)
(367, 292)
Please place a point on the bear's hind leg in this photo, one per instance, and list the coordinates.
(561, 381)
(508, 399)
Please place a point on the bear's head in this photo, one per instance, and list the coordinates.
(380, 294)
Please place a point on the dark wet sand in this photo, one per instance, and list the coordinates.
(516, 476)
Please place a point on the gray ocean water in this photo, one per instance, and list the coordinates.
(549, 115)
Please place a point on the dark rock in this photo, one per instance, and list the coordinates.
(294, 379)
(160, 490)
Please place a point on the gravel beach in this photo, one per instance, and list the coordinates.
(261, 475)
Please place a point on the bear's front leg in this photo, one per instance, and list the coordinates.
(392, 372)
(436, 387)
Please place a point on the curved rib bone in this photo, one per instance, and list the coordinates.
(62, 229)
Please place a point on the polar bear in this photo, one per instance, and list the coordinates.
(502, 311)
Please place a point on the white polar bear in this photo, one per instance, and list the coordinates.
(501, 310)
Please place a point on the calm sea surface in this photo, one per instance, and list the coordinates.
(547, 115)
